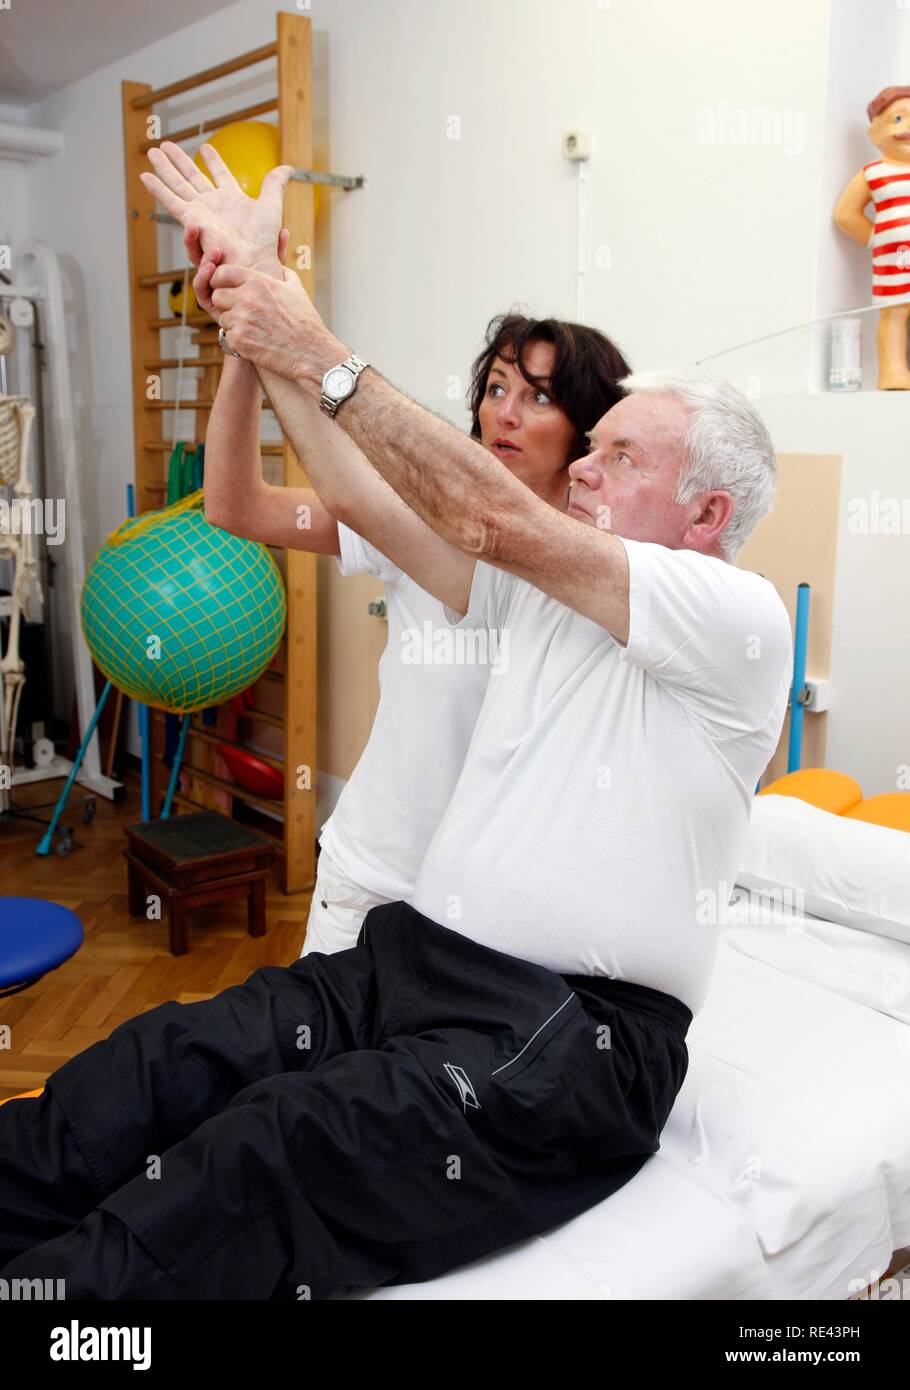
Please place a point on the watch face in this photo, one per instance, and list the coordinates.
(339, 383)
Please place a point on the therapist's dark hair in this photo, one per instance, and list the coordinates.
(586, 369)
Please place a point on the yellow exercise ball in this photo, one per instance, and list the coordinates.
(175, 298)
(249, 149)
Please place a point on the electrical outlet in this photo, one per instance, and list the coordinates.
(818, 695)
(576, 145)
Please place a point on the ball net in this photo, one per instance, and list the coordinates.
(179, 614)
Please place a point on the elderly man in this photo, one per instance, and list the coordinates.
(504, 1051)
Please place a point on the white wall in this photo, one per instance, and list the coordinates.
(692, 241)
(13, 203)
(14, 220)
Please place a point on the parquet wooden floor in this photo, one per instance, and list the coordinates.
(124, 966)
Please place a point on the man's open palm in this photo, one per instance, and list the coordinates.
(245, 230)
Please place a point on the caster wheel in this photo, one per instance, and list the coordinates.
(65, 845)
(88, 813)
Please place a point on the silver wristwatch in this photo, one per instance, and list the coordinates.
(339, 383)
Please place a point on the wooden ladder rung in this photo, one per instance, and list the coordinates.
(163, 277)
(199, 79)
(193, 132)
(187, 405)
(217, 741)
(210, 780)
(191, 321)
(161, 447)
(170, 363)
(263, 716)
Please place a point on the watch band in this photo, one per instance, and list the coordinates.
(355, 366)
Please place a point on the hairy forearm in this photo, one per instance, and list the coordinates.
(465, 504)
(445, 476)
(333, 476)
(352, 490)
(467, 498)
(452, 484)
(233, 460)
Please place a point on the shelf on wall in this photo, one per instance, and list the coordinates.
(868, 49)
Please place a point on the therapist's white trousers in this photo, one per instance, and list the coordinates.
(338, 908)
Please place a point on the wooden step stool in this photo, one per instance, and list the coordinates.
(195, 859)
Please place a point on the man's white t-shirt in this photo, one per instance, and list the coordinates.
(430, 695)
(599, 818)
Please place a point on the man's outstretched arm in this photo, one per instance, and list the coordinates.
(446, 477)
(476, 504)
(357, 495)
(345, 484)
(450, 481)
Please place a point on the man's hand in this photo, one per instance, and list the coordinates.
(218, 215)
(273, 323)
(206, 263)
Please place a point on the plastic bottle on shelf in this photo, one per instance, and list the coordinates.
(846, 371)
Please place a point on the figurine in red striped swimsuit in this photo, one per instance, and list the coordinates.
(885, 183)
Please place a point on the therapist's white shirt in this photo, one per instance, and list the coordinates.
(430, 695)
(606, 793)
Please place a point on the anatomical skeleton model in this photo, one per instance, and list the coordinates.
(17, 416)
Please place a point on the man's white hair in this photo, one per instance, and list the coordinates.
(727, 447)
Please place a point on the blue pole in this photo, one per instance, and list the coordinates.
(47, 839)
(142, 710)
(175, 770)
(797, 710)
(146, 786)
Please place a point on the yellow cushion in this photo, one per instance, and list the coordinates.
(821, 787)
(891, 809)
(24, 1095)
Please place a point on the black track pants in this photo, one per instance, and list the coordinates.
(376, 1116)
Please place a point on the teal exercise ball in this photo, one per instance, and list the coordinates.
(179, 614)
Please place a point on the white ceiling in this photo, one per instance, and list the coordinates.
(46, 44)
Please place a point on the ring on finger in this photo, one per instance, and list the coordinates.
(225, 345)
